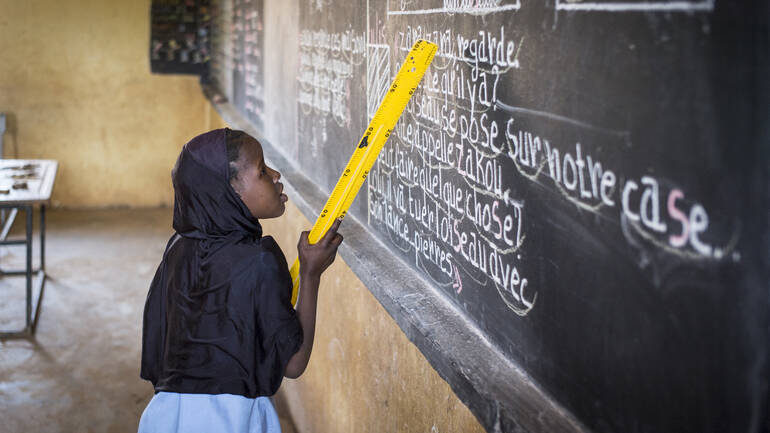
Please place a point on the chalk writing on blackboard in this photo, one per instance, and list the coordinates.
(327, 61)
(483, 7)
(248, 34)
(473, 7)
(439, 193)
(639, 5)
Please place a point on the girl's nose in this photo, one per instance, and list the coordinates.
(276, 175)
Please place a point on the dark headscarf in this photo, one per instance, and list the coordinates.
(205, 205)
(218, 317)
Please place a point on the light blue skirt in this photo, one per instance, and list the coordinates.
(170, 412)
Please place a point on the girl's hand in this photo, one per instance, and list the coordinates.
(315, 259)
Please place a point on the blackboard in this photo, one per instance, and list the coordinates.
(179, 36)
(331, 87)
(587, 182)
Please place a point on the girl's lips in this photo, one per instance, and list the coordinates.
(284, 197)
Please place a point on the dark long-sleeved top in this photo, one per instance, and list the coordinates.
(218, 316)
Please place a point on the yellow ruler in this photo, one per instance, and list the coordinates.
(365, 154)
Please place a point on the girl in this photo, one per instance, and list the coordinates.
(219, 329)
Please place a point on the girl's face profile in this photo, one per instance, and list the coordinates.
(257, 184)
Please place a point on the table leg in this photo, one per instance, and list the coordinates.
(42, 237)
(28, 211)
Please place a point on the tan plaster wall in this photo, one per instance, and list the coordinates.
(75, 81)
(364, 374)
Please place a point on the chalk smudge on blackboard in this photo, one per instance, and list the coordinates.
(636, 6)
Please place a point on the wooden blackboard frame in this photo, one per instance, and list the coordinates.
(502, 396)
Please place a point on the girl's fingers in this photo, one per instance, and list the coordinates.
(329, 235)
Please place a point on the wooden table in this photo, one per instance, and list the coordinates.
(24, 185)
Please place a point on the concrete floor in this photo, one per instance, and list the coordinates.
(80, 372)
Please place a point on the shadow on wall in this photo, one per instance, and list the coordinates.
(8, 128)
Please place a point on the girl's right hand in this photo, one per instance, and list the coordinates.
(314, 259)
